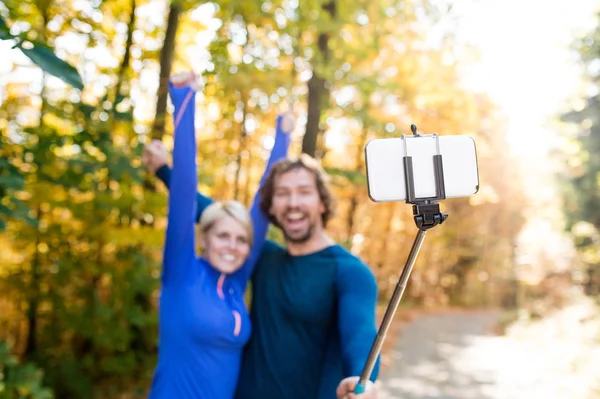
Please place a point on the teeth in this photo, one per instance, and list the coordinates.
(228, 258)
(295, 216)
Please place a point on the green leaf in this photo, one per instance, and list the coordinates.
(4, 30)
(119, 99)
(45, 58)
(11, 181)
(124, 116)
(87, 109)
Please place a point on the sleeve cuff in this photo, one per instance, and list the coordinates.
(164, 174)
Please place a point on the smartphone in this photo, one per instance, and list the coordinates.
(386, 180)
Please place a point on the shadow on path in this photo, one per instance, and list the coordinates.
(435, 359)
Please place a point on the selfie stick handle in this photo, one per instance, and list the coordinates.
(426, 215)
(390, 311)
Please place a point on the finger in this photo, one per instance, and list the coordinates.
(194, 82)
(183, 79)
(287, 123)
(153, 144)
(149, 152)
(156, 144)
(147, 148)
(178, 79)
(346, 386)
(190, 78)
(155, 148)
(341, 390)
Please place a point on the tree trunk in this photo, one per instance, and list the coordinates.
(34, 289)
(317, 91)
(458, 292)
(354, 200)
(127, 56)
(166, 62)
(243, 135)
(246, 192)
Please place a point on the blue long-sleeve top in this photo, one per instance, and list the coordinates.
(314, 324)
(203, 320)
(313, 319)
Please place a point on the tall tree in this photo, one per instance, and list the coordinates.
(166, 63)
(318, 85)
(580, 183)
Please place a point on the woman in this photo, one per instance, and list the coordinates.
(203, 320)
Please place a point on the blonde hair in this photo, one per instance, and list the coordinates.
(217, 210)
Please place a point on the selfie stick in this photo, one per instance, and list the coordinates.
(427, 215)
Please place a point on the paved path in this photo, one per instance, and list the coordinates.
(457, 356)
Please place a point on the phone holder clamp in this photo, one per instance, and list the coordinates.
(426, 213)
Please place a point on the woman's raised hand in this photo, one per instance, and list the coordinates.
(184, 79)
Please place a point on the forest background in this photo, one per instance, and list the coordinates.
(82, 224)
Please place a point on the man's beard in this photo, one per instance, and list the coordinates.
(299, 239)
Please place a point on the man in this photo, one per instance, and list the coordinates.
(313, 302)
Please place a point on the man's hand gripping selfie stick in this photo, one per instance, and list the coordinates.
(427, 215)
